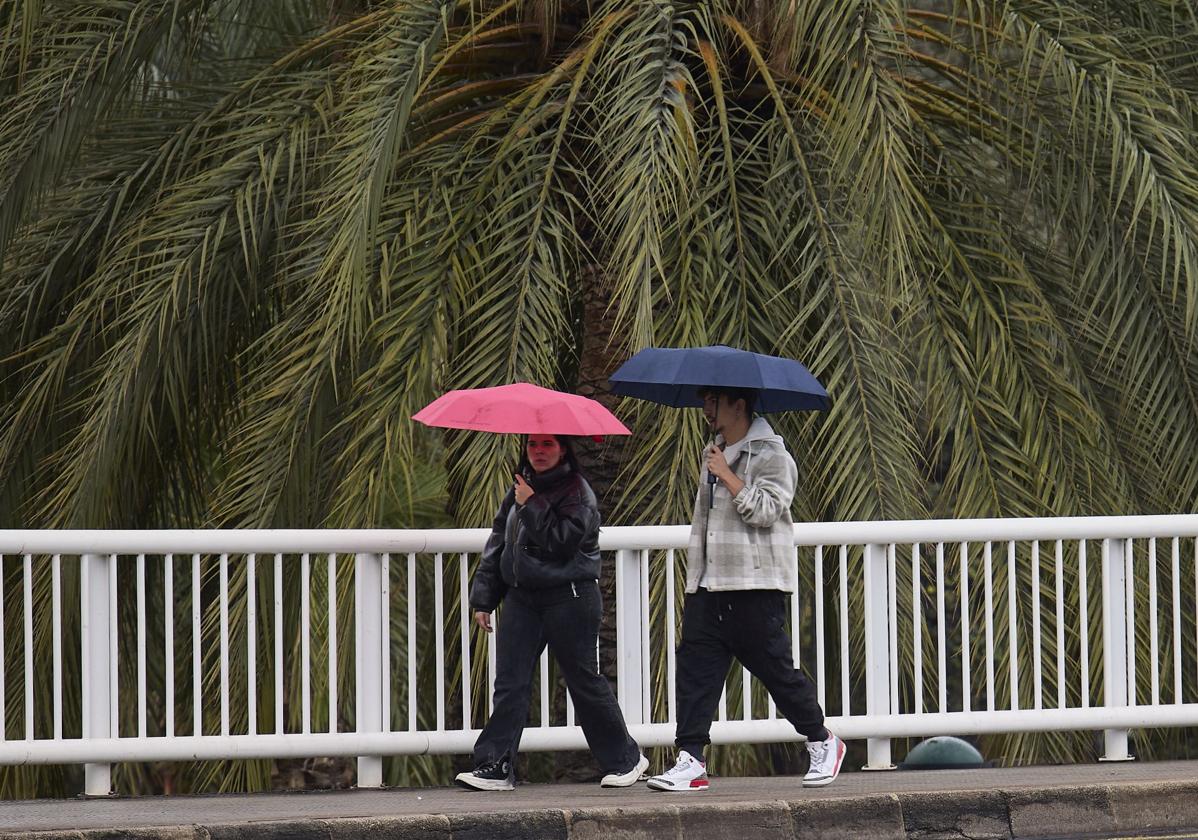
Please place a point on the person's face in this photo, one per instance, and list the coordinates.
(718, 410)
(544, 452)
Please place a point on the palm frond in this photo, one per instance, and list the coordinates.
(19, 19)
(80, 63)
(643, 135)
(306, 354)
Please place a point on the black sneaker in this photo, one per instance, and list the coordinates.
(495, 775)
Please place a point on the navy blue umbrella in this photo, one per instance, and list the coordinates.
(673, 376)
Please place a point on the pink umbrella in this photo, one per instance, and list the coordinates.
(520, 409)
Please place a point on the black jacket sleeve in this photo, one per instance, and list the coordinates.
(559, 527)
(487, 589)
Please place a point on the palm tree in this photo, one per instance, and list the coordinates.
(241, 243)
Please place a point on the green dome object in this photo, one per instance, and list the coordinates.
(943, 752)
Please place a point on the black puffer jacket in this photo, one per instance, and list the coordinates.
(550, 541)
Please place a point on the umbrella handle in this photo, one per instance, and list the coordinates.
(711, 480)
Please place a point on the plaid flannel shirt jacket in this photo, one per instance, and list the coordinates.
(746, 541)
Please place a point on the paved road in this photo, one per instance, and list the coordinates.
(132, 812)
(1186, 836)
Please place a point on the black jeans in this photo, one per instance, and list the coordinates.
(569, 624)
(751, 626)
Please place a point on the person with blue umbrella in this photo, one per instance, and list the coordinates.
(740, 560)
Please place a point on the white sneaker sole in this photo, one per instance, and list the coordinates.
(615, 780)
(471, 782)
(668, 787)
(821, 782)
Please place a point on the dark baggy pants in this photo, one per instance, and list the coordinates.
(751, 626)
(569, 624)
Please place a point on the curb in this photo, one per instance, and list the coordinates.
(1066, 812)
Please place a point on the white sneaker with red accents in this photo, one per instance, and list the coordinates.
(826, 758)
(688, 774)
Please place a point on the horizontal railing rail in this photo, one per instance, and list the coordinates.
(350, 541)
(206, 645)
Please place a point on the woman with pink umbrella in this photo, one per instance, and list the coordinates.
(542, 561)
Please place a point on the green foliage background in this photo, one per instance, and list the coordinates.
(241, 242)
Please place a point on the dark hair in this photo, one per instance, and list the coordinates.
(749, 395)
(525, 466)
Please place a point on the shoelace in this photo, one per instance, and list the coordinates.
(681, 765)
(819, 752)
(489, 768)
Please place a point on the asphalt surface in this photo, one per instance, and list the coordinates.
(132, 813)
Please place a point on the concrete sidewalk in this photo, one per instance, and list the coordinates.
(1040, 802)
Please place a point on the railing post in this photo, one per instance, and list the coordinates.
(1114, 642)
(629, 620)
(96, 664)
(877, 650)
(370, 639)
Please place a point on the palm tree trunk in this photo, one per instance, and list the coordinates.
(599, 357)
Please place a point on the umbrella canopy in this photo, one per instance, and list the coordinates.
(672, 376)
(520, 409)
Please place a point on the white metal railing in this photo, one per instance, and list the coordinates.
(908, 629)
